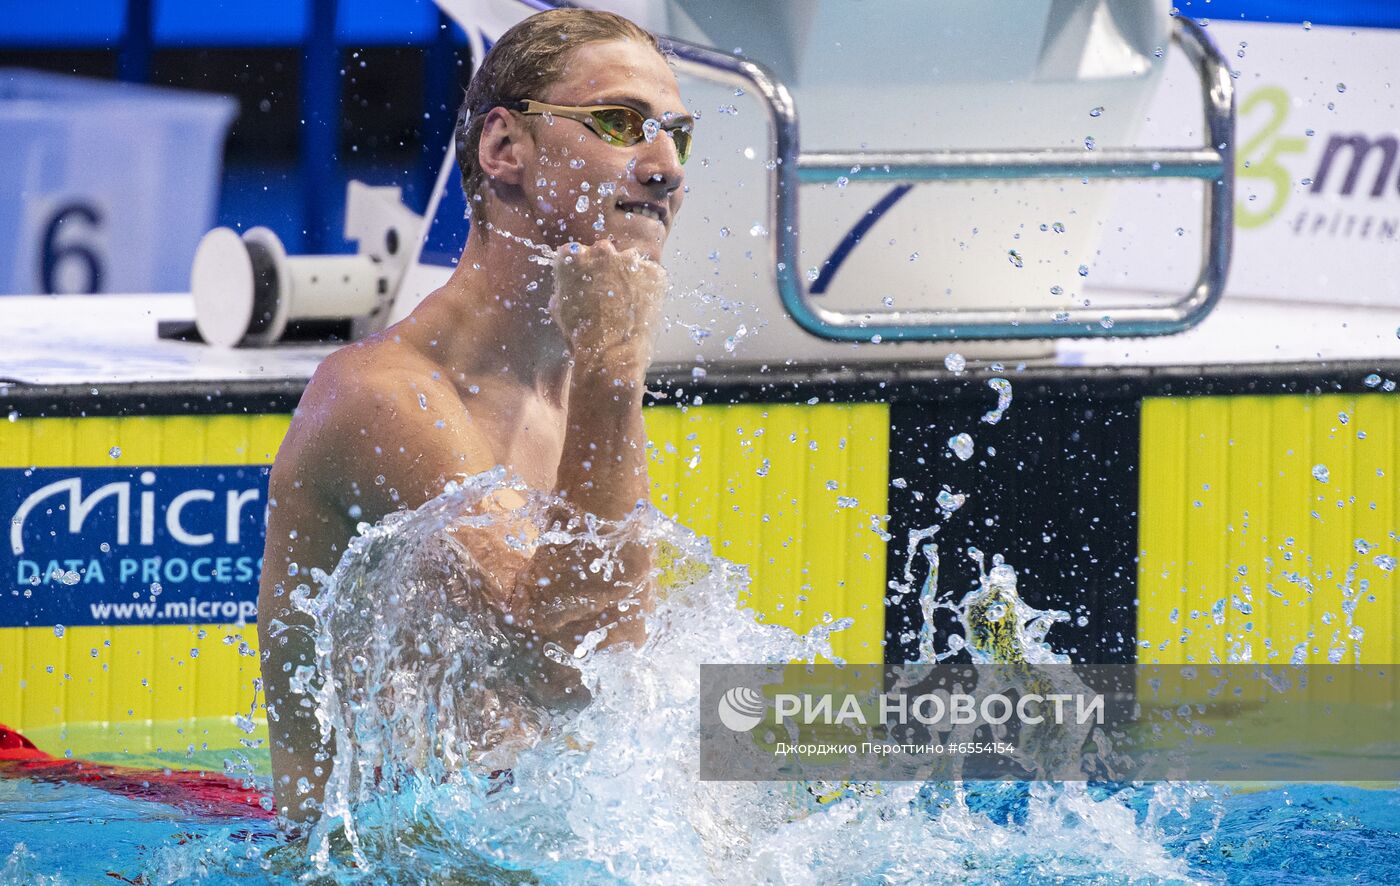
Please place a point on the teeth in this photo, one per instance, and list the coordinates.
(645, 211)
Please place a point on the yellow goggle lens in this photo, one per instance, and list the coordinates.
(625, 126)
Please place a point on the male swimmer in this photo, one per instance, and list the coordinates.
(537, 367)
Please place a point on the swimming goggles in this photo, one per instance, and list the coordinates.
(615, 124)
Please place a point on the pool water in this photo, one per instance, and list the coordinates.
(67, 833)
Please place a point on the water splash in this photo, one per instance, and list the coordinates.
(418, 678)
(998, 626)
(447, 767)
(544, 253)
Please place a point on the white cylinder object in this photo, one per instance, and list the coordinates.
(246, 289)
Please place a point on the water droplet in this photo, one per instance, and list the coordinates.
(758, 230)
(115, 452)
(1015, 258)
(1096, 112)
(1083, 270)
(1061, 317)
(955, 362)
(1305, 181)
(13, 416)
(763, 467)
(732, 341)
(888, 301)
(728, 109)
(577, 163)
(1106, 321)
(842, 182)
(1343, 417)
(650, 130)
(846, 501)
(1372, 380)
(581, 204)
(950, 501)
(1320, 473)
(913, 256)
(1058, 227)
(1003, 389)
(1089, 143)
(59, 630)
(832, 485)
(1180, 232)
(1385, 562)
(724, 232)
(1057, 289)
(1341, 87)
(962, 446)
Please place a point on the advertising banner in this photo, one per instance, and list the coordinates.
(147, 545)
(1317, 210)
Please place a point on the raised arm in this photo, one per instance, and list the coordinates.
(608, 304)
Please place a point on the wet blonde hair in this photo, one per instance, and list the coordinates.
(525, 62)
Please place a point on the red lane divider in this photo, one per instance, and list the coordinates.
(200, 793)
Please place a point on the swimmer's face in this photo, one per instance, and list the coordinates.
(633, 193)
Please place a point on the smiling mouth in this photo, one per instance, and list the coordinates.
(646, 210)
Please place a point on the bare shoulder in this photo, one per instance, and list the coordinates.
(379, 426)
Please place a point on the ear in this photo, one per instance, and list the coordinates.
(505, 146)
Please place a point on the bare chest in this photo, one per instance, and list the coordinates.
(527, 438)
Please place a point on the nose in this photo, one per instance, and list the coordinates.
(659, 164)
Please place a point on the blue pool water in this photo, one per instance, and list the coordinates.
(1300, 833)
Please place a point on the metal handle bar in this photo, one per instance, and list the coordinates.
(1213, 164)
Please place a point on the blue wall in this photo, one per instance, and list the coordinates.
(1356, 13)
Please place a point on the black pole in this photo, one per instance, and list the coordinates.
(320, 111)
(134, 56)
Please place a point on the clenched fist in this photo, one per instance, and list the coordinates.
(608, 303)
